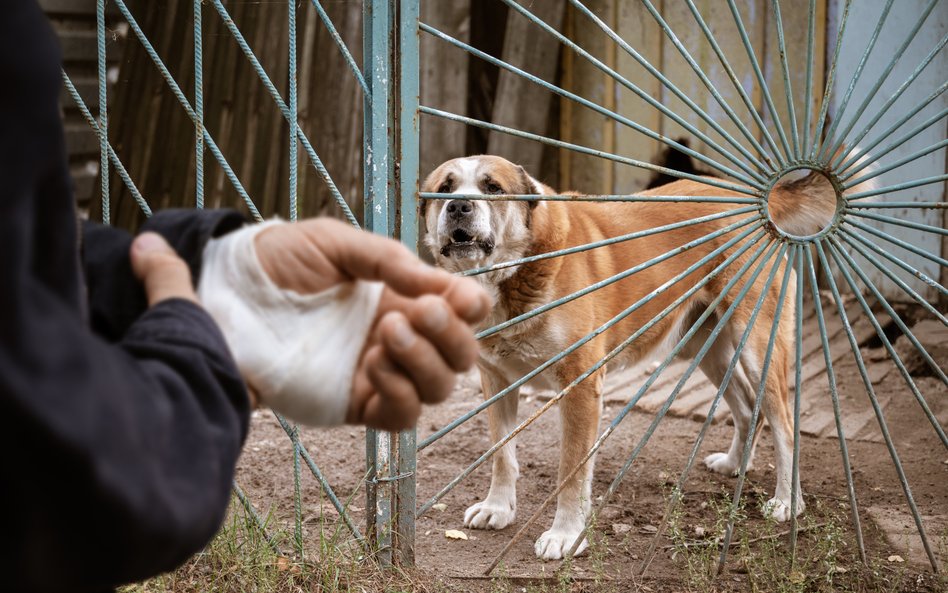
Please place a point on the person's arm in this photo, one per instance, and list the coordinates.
(116, 297)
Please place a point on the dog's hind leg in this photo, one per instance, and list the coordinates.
(739, 396)
(580, 411)
(499, 509)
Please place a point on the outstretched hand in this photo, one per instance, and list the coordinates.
(421, 336)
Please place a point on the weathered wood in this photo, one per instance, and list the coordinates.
(520, 103)
(444, 81)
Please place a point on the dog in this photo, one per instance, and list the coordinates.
(465, 234)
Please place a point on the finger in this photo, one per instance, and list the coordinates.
(164, 274)
(367, 256)
(417, 357)
(395, 404)
(432, 317)
(468, 299)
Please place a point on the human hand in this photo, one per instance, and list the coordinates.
(163, 274)
(421, 336)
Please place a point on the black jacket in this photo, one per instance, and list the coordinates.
(119, 426)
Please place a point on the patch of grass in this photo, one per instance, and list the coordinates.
(240, 559)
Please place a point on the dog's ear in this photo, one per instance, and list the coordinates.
(529, 186)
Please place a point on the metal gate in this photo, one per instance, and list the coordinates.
(748, 147)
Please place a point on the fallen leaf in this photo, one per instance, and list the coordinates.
(455, 534)
(282, 563)
(439, 506)
(840, 569)
(896, 558)
(648, 529)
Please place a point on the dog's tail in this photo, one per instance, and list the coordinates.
(804, 204)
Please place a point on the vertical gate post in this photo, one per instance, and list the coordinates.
(408, 92)
(390, 60)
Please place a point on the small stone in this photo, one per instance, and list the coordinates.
(439, 506)
(699, 531)
(455, 534)
(621, 528)
(895, 558)
(648, 529)
(663, 477)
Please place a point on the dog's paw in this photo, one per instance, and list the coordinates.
(489, 515)
(554, 544)
(723, 464)
(779, 510)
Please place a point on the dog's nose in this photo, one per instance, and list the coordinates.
(458, 209)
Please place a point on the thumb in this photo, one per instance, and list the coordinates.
(164, 274)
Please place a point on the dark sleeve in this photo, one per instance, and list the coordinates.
(118, 459)
(116, 298)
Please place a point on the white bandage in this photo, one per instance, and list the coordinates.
(298, 351)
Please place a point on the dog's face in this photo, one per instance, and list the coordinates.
(464, 234)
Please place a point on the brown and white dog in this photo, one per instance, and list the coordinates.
(464, 234)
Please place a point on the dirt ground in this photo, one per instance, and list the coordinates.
(629, 522)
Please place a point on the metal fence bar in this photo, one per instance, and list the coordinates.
(297, 494)
(539, 369)
(294, 110)
(838, 253)
(284, 108)
(844, 102)
(586, 198)
(346, 54)
(788, 89)
(903, 161)
(409, 75)
(896, 241)
(870, 391)
(898, 187)
(609, 356)
(706, 81)
(797, 397)
(259, 523)
(725, 382)
(837, 414)
(585, 150)
(860, 248)
(889, 102)
(830, 82)
(832, 143)
(756, 182)
(179, 95)
(891, 205)
(927, 228)
(761, 389)
(198, 105)
(103, 111)
(116, 162)
(772, 248)
(674, 89)
(737, 85)
(768, 99)
(863, 153)
(377, 54)
(323, 482)
(606, 242)
(614, 278)
(808, 92)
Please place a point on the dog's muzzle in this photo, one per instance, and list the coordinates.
(462, 241)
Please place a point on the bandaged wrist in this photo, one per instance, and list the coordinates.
(298, 351)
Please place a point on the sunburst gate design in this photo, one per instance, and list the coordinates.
(847, 158)
(847, 151)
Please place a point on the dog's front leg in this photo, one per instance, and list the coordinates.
(579, 414)
(499, 509)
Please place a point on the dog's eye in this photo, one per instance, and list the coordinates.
(493, 188)
(445, 188)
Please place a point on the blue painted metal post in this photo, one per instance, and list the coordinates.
(408, 90)
(380, 200)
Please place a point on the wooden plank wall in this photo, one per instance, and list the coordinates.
(636, 25)
(155, 138)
